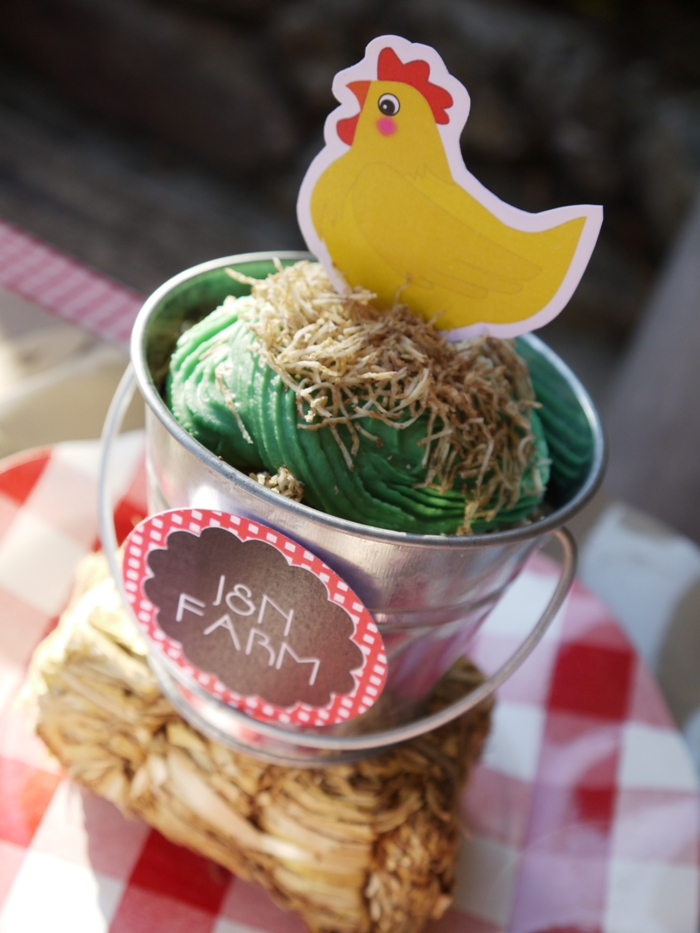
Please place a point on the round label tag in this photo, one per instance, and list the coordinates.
(253, 618)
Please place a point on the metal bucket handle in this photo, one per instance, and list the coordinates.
(375, 740)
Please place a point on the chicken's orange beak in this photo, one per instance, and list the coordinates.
(346, 128)
(359, 89)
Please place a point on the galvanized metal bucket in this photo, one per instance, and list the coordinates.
(428, 594)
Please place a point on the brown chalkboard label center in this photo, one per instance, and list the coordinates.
(255, 613)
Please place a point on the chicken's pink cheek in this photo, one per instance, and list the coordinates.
(386, 126)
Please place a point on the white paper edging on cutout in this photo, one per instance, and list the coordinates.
(366, 70)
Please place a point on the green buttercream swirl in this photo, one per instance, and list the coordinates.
(214, 368)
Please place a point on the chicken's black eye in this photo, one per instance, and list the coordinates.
(389, 105)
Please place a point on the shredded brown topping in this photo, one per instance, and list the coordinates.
(347, 360)
(283, 482)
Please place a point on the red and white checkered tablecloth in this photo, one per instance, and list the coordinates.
(63, 286)
(585, 811)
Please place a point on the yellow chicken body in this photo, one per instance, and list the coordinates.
(394, 220)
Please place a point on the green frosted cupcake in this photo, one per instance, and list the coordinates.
(381, 421)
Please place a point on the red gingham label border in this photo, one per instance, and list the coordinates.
(152, 533)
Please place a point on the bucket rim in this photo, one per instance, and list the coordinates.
(158, 407)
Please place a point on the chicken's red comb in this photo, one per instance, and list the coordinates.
(416, 73)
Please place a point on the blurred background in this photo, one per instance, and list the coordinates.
(143, 136)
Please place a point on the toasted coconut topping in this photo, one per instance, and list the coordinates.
(283, 482)
(347, 360)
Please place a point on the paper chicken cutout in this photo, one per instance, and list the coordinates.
(390, 205)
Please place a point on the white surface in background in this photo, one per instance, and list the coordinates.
(654, 759)
(513, 747)
(126, 455)
(522, 604)
(648, 897)
(50, 893)
(486, 879)
(641, 570)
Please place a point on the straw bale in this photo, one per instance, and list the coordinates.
(368, 847)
